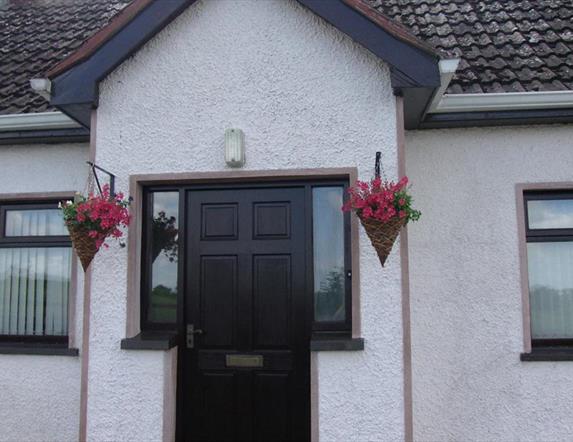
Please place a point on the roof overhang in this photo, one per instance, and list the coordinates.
(507, 101)
(36, 121)
(500, 109)
(74, 84)
(75, 81)
(497, 118)
(43, 127)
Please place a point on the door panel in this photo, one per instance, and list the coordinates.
(219, 405)
(272, 298)
(272, 400)
(218, 298)
(247, 377)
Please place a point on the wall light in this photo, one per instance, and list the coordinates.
(234, 148)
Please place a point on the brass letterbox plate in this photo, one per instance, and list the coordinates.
(244, 361)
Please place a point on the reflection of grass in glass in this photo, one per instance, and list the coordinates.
(163, 304)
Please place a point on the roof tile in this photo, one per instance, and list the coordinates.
(507, 45)
(36, 34)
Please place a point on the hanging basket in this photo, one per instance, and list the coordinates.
(383, 234)
(84, 246)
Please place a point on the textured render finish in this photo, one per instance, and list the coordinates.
(306, 96)
(469, 383)
(40, 394)
(43, 168)
(40, 398)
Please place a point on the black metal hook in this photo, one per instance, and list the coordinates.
(377, 165)
(111, 178)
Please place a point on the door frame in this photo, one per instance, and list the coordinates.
(222, 179)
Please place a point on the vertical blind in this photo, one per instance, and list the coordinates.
(41, 222)
(34, 287)
(34, 274)
(551, 289)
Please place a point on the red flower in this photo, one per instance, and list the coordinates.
(102, 215)
(380, 200)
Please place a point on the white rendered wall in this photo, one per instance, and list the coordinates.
(37, 168)
(469, 383)
(40, 395)
(306, 97)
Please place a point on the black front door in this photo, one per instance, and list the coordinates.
(246, 368)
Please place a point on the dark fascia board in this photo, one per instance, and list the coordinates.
(418, 66)
(75, 91)
(497, 118)
(416, 101)
(51, 136)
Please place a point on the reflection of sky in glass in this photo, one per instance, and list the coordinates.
(45, 222)
(167, 202)
(551, 288)
(328, 236)
(550, 214)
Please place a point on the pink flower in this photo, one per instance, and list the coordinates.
(102, 215)
(379, 199)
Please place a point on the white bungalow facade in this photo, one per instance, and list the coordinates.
(446, 342)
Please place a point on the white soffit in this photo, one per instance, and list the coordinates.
(504, 101)
(36, 121)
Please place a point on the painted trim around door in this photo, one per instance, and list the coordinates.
(133, 307)
(137, 182)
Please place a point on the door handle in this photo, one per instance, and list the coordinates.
(191, 332)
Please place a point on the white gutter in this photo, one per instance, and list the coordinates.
(447, 71)
(506, 101)
(36, 121)
(42, 86)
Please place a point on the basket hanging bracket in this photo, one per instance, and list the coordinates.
(94, 168)
(377, 165)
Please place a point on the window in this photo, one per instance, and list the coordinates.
(549, 233)
(329, 283)
(35, 272)
(331, 263)
(162, 252)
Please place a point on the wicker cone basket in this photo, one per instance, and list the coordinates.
(383, 235)
(84, 245)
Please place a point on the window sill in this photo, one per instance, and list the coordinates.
(337, 344)
(17, 348)
(548, 354)
(151, 341)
